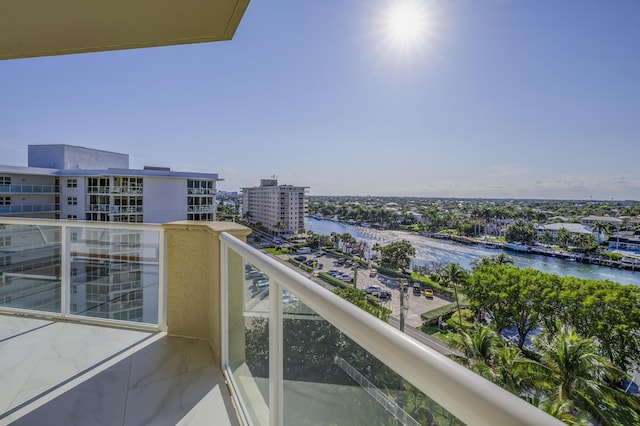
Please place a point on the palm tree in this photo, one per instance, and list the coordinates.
(376, 247)
(563, 236)
(479, 347)
(503, 259)
(453, 275)
(601, 231)
(570, 369)
(279, 227)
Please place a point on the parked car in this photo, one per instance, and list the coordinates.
(288, 299)
(384, 295)
(300, 258)
(253, 274)
(428, 293)
(372, 274)
(262, 284)
(261, 277)
(417, 290)
(345, 277)
(372, 288)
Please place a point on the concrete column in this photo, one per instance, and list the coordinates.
(193, 278)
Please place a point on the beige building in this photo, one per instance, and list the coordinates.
(280, 209)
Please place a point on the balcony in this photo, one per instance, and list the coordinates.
(29, 208)
(290, 351)
(29, 189)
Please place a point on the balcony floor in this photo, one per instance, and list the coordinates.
(64, 373)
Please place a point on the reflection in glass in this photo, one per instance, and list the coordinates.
(30, 267)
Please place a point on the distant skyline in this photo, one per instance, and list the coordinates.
(493, 99)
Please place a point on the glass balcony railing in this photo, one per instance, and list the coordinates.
(292, 352)
(96, 271)
(295, 353)
(29, 208)
(113, 190)
(201, 209)
(30, 189)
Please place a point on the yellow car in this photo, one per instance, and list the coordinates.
(428, 293)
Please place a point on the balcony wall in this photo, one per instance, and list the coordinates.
(193, 278)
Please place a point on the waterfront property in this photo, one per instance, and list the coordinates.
(72, 182)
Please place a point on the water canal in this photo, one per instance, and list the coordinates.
(429, 250)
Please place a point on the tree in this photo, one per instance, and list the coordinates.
(572, 370)
(397, 255)
(564, 238)
(454, 275)
(601, 232)
(503, 259)
(586, 242)
(521, 232)
(279, 226)
(479, 347)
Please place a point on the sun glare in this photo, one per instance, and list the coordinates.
(406, 23)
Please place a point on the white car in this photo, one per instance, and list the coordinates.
(371, 289)
(289, 299)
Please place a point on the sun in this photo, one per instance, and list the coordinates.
(405, 24)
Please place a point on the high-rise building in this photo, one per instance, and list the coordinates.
(279, 209)
(72, 182)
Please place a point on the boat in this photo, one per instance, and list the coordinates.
(517, 247)
(491, 245)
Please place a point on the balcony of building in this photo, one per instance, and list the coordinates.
(29, 189)
(29, 208)
(194, 338)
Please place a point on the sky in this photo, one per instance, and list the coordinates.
(491, 99)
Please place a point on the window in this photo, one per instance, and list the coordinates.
(5, 241)
(5, 180)
(72, 183)
(72, 201)
(72, 216)
(5, 260)
(5, 201)
(74, 236)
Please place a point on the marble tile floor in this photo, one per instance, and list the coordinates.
(64, 373)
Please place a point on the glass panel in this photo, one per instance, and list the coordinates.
(329, 379)
(30, 267)
(248, 337)
(114, 274)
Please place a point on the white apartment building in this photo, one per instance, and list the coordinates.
(72, 182)
(280, 209)
(110, 270)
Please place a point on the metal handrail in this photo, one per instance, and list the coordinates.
(468, 396)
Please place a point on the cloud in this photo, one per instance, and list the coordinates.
(508, 170)
(621, 180)
(569, 183)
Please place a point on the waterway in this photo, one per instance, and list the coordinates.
(430, 251)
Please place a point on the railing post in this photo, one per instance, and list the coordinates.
(276, 374)
(65, 273)
(162, 280)
(224, 303)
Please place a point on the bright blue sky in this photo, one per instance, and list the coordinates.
(526, 99)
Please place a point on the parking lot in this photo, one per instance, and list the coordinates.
(415, 304)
